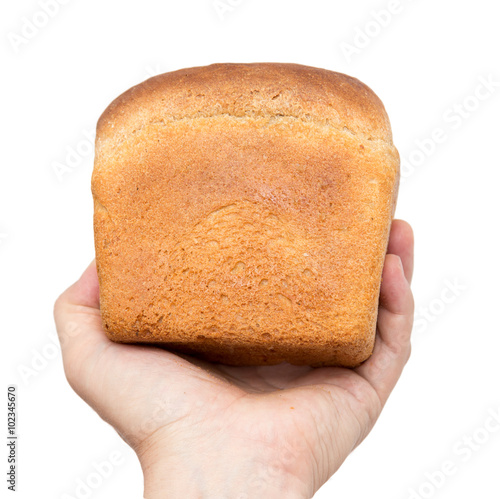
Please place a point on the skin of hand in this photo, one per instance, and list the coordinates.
(209, 430)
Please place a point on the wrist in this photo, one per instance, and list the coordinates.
(218, 473)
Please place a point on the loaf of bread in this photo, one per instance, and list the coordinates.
(242, 214)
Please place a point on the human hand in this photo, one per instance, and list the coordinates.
(211, 430)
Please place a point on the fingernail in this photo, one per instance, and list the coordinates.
(401, 265)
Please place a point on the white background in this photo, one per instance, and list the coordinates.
(426, 64)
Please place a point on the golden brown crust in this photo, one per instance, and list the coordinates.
(259, 89)
(242, 213)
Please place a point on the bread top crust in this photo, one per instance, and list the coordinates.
(256, 90)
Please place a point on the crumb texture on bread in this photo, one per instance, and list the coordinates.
(242, 212)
